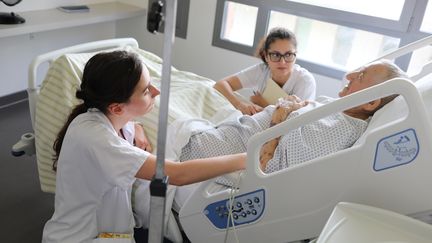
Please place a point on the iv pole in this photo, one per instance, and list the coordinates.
(159, 183)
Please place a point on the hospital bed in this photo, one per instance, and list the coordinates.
(388, 167)
(288, 205)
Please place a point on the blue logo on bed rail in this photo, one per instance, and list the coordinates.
(398, 149)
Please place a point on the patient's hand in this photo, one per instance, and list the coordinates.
(267, 152)
(284, 107)
(247, 108)
(141, 140)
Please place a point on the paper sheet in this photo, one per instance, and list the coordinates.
(273, 92)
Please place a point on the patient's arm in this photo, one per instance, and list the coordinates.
(279, 115)
(140, 139)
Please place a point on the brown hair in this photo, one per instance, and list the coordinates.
(274, 34)
(108, 78)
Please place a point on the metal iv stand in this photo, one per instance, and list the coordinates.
(159, 183)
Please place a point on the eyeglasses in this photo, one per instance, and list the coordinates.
(276, 56)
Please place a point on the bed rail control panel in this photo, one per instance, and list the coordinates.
(246, 208)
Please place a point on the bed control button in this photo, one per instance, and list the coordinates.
(245, 209)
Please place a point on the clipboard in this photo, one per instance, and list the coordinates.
(273, 92)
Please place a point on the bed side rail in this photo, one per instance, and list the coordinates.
(400, 86)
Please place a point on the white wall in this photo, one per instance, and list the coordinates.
(196, 54)
(17, 52)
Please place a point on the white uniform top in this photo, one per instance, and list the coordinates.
(95, 173)
(300, 83)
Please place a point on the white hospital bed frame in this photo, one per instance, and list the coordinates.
(294, 204)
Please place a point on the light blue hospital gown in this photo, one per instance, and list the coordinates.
(313, 140)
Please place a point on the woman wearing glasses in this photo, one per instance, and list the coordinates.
(278, 53)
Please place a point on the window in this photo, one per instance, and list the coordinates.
(336, 46)
(427, 20)
(418, 59)
(239, 23)
(333, 36)
(393, 8)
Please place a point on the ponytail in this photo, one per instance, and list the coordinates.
(79, 109)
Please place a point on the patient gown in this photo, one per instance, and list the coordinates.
(319, 138)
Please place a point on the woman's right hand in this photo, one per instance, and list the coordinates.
(248, 108)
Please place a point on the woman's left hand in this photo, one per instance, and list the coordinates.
(141, 140)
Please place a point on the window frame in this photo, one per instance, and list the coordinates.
(407, 28)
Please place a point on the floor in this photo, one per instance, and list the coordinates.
(24, 208)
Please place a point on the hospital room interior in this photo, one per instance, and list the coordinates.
(361, 179)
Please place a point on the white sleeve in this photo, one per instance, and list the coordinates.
(305, 85)
(253, 77)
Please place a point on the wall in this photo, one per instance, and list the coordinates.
(196, 54)
(17, 52)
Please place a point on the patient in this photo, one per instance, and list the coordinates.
(316, 139)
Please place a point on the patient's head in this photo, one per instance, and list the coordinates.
(367, 76)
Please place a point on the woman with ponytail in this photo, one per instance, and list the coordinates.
(96, 160)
